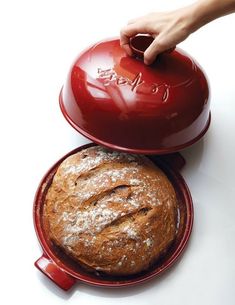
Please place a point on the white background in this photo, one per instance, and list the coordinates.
(38, 42)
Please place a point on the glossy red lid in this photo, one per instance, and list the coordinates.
(119, 102)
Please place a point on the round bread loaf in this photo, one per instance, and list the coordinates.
(111, 212)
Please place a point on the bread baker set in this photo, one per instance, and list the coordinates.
(117, 212)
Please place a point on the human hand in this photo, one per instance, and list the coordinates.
(168, 29)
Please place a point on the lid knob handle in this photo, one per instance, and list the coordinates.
(140, 43)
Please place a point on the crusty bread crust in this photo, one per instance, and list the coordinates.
(111, 212)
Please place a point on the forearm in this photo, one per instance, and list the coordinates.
(204, 11)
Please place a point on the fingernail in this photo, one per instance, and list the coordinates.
(146, 62)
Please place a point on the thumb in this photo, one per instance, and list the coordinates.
(153, 50)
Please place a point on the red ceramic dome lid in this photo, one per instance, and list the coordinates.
(117, 101)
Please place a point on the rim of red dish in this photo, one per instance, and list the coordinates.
(89, 278)
(127, 149)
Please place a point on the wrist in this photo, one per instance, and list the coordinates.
(191, 18)
(199, 15)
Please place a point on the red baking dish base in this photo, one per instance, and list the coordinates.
(65, 272)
